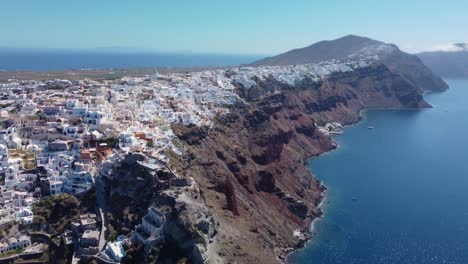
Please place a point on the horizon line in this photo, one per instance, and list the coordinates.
(128, 50)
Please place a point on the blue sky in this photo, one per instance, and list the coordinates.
(240, 26)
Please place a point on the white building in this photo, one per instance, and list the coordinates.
(14, 243)
(25, 216)
(115, 250)
(151, 229)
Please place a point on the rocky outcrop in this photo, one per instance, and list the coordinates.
(189, 227)
(250, 165)
(130, 192)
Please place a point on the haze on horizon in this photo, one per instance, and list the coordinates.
(237, 27)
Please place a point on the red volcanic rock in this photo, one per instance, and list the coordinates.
(272, 147)
(231, 198)
(255, 156)
(266, 182)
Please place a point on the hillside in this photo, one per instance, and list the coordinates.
(408, 66)
(251, 165)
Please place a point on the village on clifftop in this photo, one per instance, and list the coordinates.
(61, 136)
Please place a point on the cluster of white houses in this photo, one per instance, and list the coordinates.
(55, 135)
(14, 243)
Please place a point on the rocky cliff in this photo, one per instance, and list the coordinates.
(250, 166)
(189, 226)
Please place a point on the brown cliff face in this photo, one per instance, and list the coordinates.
(250, 166)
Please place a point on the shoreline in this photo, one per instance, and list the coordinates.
(309, 235)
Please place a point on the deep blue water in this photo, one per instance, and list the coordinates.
(64, 60)
(398, 193)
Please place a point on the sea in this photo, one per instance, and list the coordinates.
(50, 60)
(397, 193)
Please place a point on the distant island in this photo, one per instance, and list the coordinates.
(451, 62)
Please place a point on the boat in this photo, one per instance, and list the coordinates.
(370, 127)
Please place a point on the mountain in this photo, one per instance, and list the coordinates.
(451, 62)
(408, 66)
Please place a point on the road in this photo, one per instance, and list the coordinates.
(102, 207)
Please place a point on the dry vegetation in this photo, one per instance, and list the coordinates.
(55, 213)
